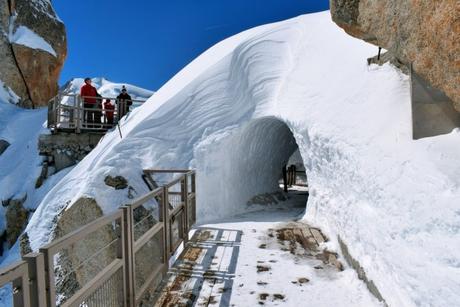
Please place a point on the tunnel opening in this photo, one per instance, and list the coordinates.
(245, 167)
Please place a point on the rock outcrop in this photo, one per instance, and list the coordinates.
(422, 33)
(16, 219)
(117, 182)
(33, 48)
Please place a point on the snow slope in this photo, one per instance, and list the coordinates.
(231, 114)
(20, 164)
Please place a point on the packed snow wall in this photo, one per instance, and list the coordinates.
(247, 163)
(393, 200)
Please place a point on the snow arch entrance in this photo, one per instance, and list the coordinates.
(243, 163)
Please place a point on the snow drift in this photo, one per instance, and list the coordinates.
(20, 164)
(237, 110)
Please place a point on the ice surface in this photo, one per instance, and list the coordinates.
(394, 201)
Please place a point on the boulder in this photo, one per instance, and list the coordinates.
(117, 182)
(84, 259)
(422, 33)
(16, 219)
(31, 72)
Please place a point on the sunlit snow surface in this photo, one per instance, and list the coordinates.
(26, 37)
(393, 200)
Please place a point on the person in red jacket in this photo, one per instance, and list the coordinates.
(89, 94)
(109, 110)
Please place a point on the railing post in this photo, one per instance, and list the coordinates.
(184, 199)
(128, 253)
(49, 278)
(80, 112)
(57, 110)
(193, 190)
(117, 109)
(36, 265)
(21, 294)
(166, 220)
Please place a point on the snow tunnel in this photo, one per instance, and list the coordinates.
(243, 163)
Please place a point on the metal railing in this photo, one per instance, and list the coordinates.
(119, 265)
(70, 112)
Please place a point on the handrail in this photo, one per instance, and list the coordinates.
(18, 275)
(114, 283)
(77, 115)
(80, 233)
(111, 98)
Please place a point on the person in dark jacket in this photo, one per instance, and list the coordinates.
(89, 94)
(124, 101)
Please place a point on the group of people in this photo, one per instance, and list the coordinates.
(92, 104)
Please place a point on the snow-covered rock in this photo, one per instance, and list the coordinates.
(234, 113)
(33, 48)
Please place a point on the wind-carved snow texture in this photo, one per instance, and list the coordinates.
(394, 201)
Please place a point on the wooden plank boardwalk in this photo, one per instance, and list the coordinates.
(204, 273)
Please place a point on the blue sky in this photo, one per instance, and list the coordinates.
(146, 42)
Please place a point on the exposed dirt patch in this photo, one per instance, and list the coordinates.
(263, 268)
(301, 240)
(262, 283)
(303, 280)
(263, 296)
(192, 254)
(278, 296)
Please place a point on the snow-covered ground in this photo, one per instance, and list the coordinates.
(236, 114)
(261, 257)
(290, 279)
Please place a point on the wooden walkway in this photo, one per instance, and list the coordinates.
(204, 273)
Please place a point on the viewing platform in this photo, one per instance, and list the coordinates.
(69, 113)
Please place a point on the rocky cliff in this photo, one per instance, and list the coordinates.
(33, 48)
(422, 32)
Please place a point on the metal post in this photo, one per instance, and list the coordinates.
(36, 264)
(184, 199)
(78, 124)
(21, 295)
(73, 111)
(193, 187)
(165, 219)
(285, 179)
(49, 278)
(128, 253)
(57, 110)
